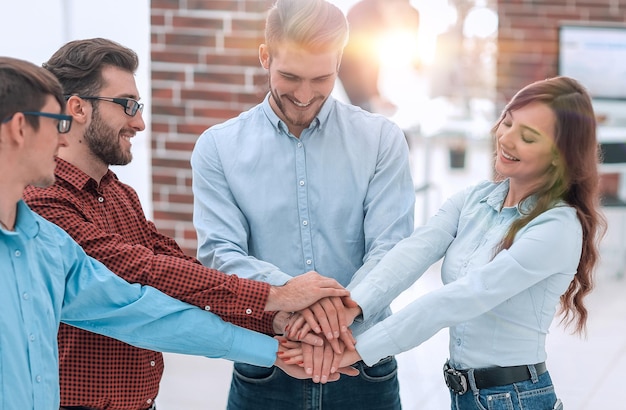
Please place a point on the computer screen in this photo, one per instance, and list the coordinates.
(595, 55)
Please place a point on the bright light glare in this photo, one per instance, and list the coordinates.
(398, 48)
(436, 17)
(480, 22)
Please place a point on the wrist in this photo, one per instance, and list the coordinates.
(272, 299)
(280, 322)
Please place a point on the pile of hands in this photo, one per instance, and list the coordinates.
(313, 319)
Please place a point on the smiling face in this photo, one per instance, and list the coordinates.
(300, 82)
(525, 146)
(109, 133)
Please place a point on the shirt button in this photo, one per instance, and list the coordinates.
(149, 401)
(301, 183)
(309, 261)
(458, 342)
(38, 378)
(152, 363)
(299, 145)
(31, 338)
(305, 223)
(18, 254)
(100, 199)
(248, 311)
(25, 296)
(207, 308)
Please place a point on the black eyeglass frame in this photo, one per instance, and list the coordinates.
(63, 126)
(130, 105)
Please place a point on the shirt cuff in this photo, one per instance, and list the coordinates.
(253, 348)
(365, 299)
(375, 344)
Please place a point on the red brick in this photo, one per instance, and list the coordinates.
(164, 4)
(187, 23)
(175, 56)
(190, 40)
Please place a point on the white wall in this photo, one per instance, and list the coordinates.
(34, 29)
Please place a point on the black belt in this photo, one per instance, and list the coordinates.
(153, 407)
(457, 380)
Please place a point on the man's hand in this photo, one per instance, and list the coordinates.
(304, 361)
(330, 317)
(281, 327)
(302, 291)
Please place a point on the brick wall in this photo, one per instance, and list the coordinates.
(528, 37)
(205, 69)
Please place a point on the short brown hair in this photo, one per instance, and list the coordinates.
(25, 87)
(78, 64)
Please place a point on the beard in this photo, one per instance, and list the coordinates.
(295, 117)
(103, 141)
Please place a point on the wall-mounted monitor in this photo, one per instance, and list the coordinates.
(595, 55)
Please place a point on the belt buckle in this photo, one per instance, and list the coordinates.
(455, 380)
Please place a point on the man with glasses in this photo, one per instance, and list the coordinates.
(106, 218)
(64, 121)
(47, 277)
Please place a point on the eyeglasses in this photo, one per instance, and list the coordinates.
(63, 126)
(130, 106)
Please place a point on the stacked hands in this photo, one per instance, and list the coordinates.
(314, 316)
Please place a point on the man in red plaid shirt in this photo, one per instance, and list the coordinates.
(106, 218)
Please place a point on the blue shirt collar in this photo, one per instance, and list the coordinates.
(25, 222)
(495, 199)
(320, 119)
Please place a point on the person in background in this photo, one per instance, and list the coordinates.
(300, 182)
(513, 249)
(47, 278)
(371, 23)
(105, 217)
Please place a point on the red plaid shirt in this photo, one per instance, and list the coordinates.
(109, 223)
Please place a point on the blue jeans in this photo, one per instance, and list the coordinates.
(255, 388)
(534, 394)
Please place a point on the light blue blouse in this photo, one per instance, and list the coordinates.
(45, 278)
(270, 206)
(498, 308)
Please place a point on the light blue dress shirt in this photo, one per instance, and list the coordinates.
(45, 278)
(270, 206)
(498, 308)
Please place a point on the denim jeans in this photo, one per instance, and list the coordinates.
(255, 388)
(534, 394)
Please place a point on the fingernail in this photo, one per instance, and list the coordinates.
(318, 330)
(337, 335)
(324, 379)
(333, 370)
(329, 335)
(280, 353)
(344, 328)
